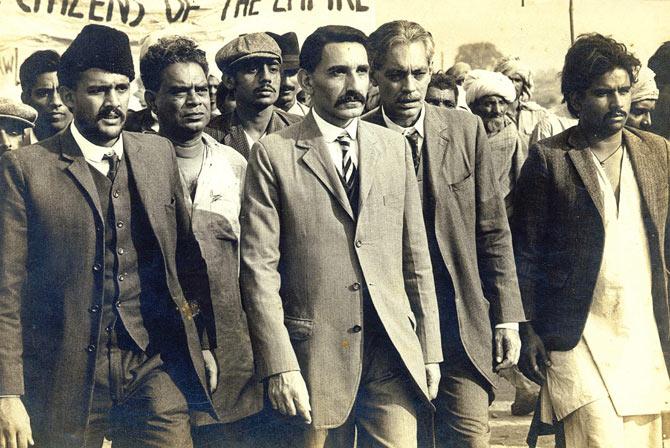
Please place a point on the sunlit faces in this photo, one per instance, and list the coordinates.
(640, 114)
(99, 104)
(403, 80)
(491, 109)
(256, 82)
(182, 102)
(52, 116)
(441, 97)
(603, 108)
(339, 83)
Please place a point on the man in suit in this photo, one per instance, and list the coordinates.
(336, 275)
(468, 232)
(97, 337)
(251, 66)
(591, 234)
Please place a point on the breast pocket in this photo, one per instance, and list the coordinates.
(463, 184)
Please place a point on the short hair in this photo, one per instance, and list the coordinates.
(442, 81)
(312, 48)
(222, 93)
(590, 57)
(394, 33)
(42, 61)
(660, 64)
(168, 51)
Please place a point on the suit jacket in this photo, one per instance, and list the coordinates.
(559, 232)
(228, 129)
(51, 236)
(471, 229)
(308, 264)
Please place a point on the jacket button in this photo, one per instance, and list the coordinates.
(90, 348)
(109, 329)
(121, 277)
(94, 309)
(116, 193)
(356, 329)
(120, 224)
(97, 267)
(356, 286)
(117, 304)
(121, 251)
(359, 243)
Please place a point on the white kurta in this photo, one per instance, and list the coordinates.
(619, 354)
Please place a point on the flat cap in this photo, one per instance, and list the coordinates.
(18, 111)
(290, 49)
(247, 46)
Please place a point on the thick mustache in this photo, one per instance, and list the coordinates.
(614, 113)
(264, 88)
(108, 110)
(350, 97)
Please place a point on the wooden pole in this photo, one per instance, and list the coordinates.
(572, 23)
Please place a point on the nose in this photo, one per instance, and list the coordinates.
(193, 99)
(112, 98)
(409, 83)
(358, 82)
(496, 108)
(56, 101)
(264, 74)
(618, 99)
(646, 120)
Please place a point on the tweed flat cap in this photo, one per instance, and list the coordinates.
(96, 46)
(290, 49)
(18, 111)
(248, 46)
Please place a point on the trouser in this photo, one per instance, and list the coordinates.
(135, 402)
(462, 404)
(385, 410)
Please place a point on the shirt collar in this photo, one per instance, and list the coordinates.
(419, 125)
(330, 132)
(93, 152)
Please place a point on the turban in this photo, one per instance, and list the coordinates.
(96, 46)
(512, 65)
(645, 86)
(480, 83)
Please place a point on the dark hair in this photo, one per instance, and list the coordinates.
(394, 33)
(442, 81)
(43, 61)
(222, 93)
(660, 64)
(312, 49)
(168, 51)
(590, 57)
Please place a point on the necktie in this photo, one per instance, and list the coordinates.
(349, 175)
(113, 161)
(413, 138)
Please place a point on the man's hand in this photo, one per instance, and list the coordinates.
(211, 370)
(433, 376)
(534, 358)
(288, 394)
(507, 348)
(15, 429)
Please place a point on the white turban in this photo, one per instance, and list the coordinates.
(645, 87)
(480, 83)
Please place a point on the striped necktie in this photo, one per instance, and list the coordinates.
(413, 138)
(349, 174)
(113, 161)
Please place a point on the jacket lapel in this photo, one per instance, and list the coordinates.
(319, 161)
(581, 158)
(645, 169)
(437, 149)
(367, 167)
(138, 169)
(79, 168)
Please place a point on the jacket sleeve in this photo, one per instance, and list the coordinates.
(13, 255)
(417, 270)
(259, 275)
(494, 241)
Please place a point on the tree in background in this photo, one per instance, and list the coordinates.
(482, 55)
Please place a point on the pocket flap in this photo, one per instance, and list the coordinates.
(298, 329)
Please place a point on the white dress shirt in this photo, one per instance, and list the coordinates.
(330, 133)
(94, 153)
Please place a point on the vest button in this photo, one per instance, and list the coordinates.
(97, 267)
(120, 224)
(356, 286)
(121, 277)
(94, 309)
(121, 251)
(90, 348)
(356, 329)
(109, 329)
(359, 243)
(117, 304)
(116, 193)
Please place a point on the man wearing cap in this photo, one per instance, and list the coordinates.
(16, 124)
(289, 88)
(39, 89)
(251, 66)
(97, 261)
(335, 275)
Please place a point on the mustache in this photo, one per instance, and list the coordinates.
(613, 113)
(264, 88)
(350, 97)
(109, 110)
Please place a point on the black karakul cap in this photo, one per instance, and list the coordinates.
(290, 49)
(96, 46)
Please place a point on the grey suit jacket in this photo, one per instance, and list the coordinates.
(307, 263)
(51, 236)
(559, 233)
(471, 228)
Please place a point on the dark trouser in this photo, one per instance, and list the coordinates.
(462, 405)
(136, 403)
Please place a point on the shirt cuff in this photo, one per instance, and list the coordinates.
(509, 326)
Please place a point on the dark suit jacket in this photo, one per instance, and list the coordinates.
(559, 233)
(308, 265)
(228, 130)
(51, 236)
(471, 228)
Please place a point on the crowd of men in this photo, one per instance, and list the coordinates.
(331, 246)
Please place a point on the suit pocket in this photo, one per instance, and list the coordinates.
(299, 329)
(462, 184)
(412, 321)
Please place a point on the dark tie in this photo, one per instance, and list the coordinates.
(413, 139)
(349, 175)
(113, 161)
